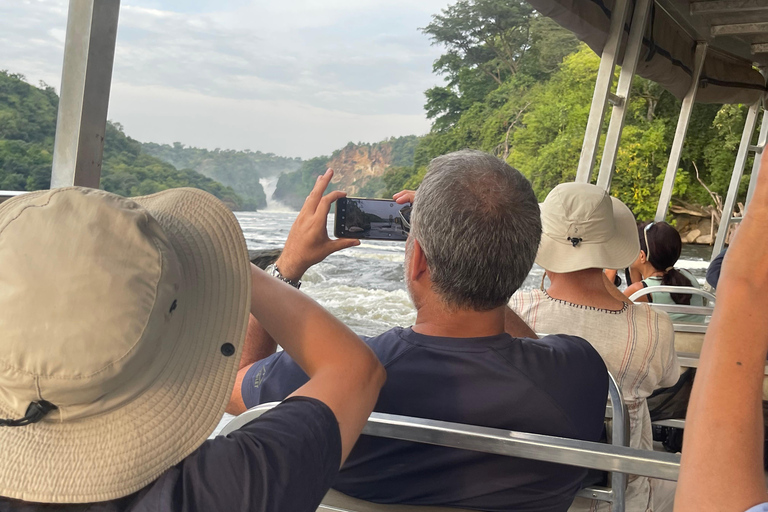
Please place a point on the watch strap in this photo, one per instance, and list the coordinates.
(275, 272)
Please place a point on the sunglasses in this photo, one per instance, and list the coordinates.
(645, 235)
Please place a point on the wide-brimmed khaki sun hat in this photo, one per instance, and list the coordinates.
(583, 227)
(121, 328)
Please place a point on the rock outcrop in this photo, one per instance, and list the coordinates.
(696, 227)
(356, 167)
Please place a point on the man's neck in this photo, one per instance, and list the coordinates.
(437, 320)
(585, 287)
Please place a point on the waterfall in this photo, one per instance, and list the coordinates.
(270, 184)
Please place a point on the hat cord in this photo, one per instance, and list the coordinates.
(35, 412)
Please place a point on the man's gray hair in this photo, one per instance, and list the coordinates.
(478, 223)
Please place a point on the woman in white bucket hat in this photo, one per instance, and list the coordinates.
(584, 231)
(121, 327)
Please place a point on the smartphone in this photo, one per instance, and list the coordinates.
(372, 219)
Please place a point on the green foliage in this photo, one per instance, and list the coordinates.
(292, 188)
(27, 129)
(531, 110)
(241, 170)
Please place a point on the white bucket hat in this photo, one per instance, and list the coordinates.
(583, 227)
(128, 316)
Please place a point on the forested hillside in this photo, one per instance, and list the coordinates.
(240, 170)
(27, 129)
(359, 169)
(519, 86)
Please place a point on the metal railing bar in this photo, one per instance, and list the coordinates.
(559, 450)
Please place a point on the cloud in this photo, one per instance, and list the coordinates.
(292, 128)
(363, 64)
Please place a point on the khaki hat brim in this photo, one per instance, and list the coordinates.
(119, 452)
(619, 252)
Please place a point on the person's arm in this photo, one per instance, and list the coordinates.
(308, 242)
(722, 464)
(258, 345)
(713, 271)
(636, 287)
(515, 326)
(343, 372)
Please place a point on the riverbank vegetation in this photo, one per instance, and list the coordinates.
(519, 86)
(241, 170)
(27, 130)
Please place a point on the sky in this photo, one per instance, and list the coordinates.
(291, 77)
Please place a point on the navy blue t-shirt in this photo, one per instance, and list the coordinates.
(285, 460)
(555, 386)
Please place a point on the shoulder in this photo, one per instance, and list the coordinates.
(564, 349)
(571, 345)
(523, 299)
(634, 287)
(291, 455)
(657, 320)
(389, 345)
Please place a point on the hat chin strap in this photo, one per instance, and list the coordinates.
(35, 412)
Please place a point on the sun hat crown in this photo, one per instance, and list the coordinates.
(584, 227)
(89, 279)
(578, 211)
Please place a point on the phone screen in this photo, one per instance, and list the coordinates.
(372, 219)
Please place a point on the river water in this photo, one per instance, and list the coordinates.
(363, 286)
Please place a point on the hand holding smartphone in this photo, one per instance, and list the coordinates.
(372, 219)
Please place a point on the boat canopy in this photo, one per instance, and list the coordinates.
(736, 32)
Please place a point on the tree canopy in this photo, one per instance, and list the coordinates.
(519, 86)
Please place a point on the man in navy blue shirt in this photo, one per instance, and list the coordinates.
(475, 231)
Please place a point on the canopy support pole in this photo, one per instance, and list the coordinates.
(602, 92)
(623, 89)
(761, 142)
(680, 132)
(89, 52)
(738, 170)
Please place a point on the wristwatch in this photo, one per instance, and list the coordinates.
(275, 272)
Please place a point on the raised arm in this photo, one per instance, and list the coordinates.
(722, 464)
(343, 372)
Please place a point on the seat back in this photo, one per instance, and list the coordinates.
(703, 311)
(501, 442)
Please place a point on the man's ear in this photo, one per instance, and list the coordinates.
(418, 265)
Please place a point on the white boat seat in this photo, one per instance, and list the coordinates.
(335, 501)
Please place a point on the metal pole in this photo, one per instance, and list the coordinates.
(602, 91)
(623, 88)
(680, 132)
(738, 171)
(89, 52)
(761, 141)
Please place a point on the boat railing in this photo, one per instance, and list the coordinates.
(616, 458)
(703, 311)
(7, 194)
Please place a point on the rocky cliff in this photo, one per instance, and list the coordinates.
(359, 170)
